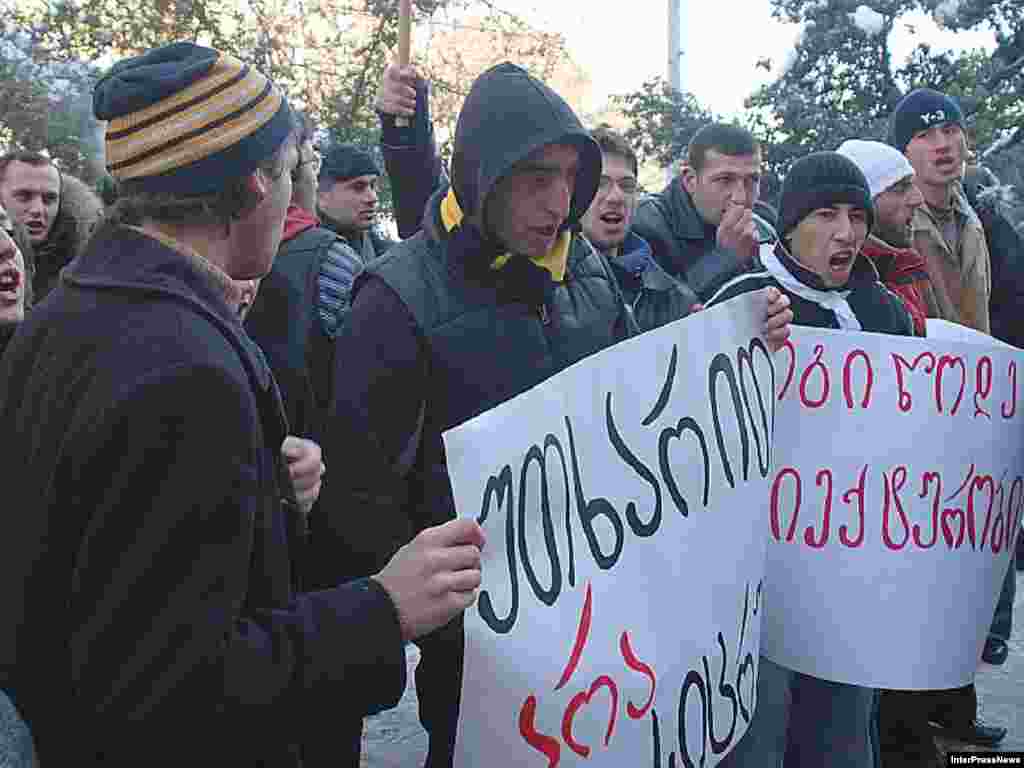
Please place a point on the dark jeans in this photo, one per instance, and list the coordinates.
(805, 722)
(1002, 621)
(439, 688)
(957, 705)
(905, 737)
(335, 740)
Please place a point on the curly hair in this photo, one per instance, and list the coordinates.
(614, 143)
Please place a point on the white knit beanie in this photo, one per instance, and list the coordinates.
(880, 163)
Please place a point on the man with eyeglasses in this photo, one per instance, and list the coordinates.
(608, 222)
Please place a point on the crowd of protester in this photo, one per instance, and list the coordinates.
(179, 369)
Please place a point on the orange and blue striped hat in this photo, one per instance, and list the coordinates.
(183, 119)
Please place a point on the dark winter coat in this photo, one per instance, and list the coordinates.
(685, 248)
(1006, 254)
(6, 334)
(147, 590)
(502, 331)
(437, 336)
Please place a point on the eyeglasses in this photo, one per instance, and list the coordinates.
(313, 159)
(628, 185)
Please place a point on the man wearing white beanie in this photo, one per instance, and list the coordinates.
(890, 245)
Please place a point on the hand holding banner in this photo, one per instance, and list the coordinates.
(619, 616)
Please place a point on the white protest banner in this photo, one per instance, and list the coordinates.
(949, 331)
(897, 492)
(623, 503)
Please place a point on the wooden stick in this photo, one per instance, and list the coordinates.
(404, 43)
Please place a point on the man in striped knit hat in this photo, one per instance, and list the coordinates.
(149, 614)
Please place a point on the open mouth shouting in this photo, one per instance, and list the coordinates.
(10, 284)
(613, 219)
(840, 264)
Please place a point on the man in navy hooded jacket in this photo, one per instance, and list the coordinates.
(495, 294)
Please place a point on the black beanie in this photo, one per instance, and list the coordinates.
(820, 180)
(918, 111)
(347, 161)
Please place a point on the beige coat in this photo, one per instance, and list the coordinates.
(961, 276)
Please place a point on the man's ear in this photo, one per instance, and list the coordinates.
(688, 176)
(257, 186)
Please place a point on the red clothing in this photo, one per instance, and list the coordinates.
(902, 270)
(297, 220)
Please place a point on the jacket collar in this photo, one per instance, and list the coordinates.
(961, 208)
(129, 259)
(296, 221)
(888, 258)
(796, 279)
(686, 222)
(634, 254)
(863, 270)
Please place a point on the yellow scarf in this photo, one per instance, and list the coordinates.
(553, 261)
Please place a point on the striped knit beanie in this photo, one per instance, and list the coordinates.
(184, 119)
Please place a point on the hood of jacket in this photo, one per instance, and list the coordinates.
(78, 213)
(507, 115)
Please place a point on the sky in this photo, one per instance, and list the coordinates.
(627, 43)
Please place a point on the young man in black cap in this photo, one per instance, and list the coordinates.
(149, 609)
(928, 127)
(825, 215)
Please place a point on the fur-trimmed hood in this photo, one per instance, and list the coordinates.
(80, 210)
